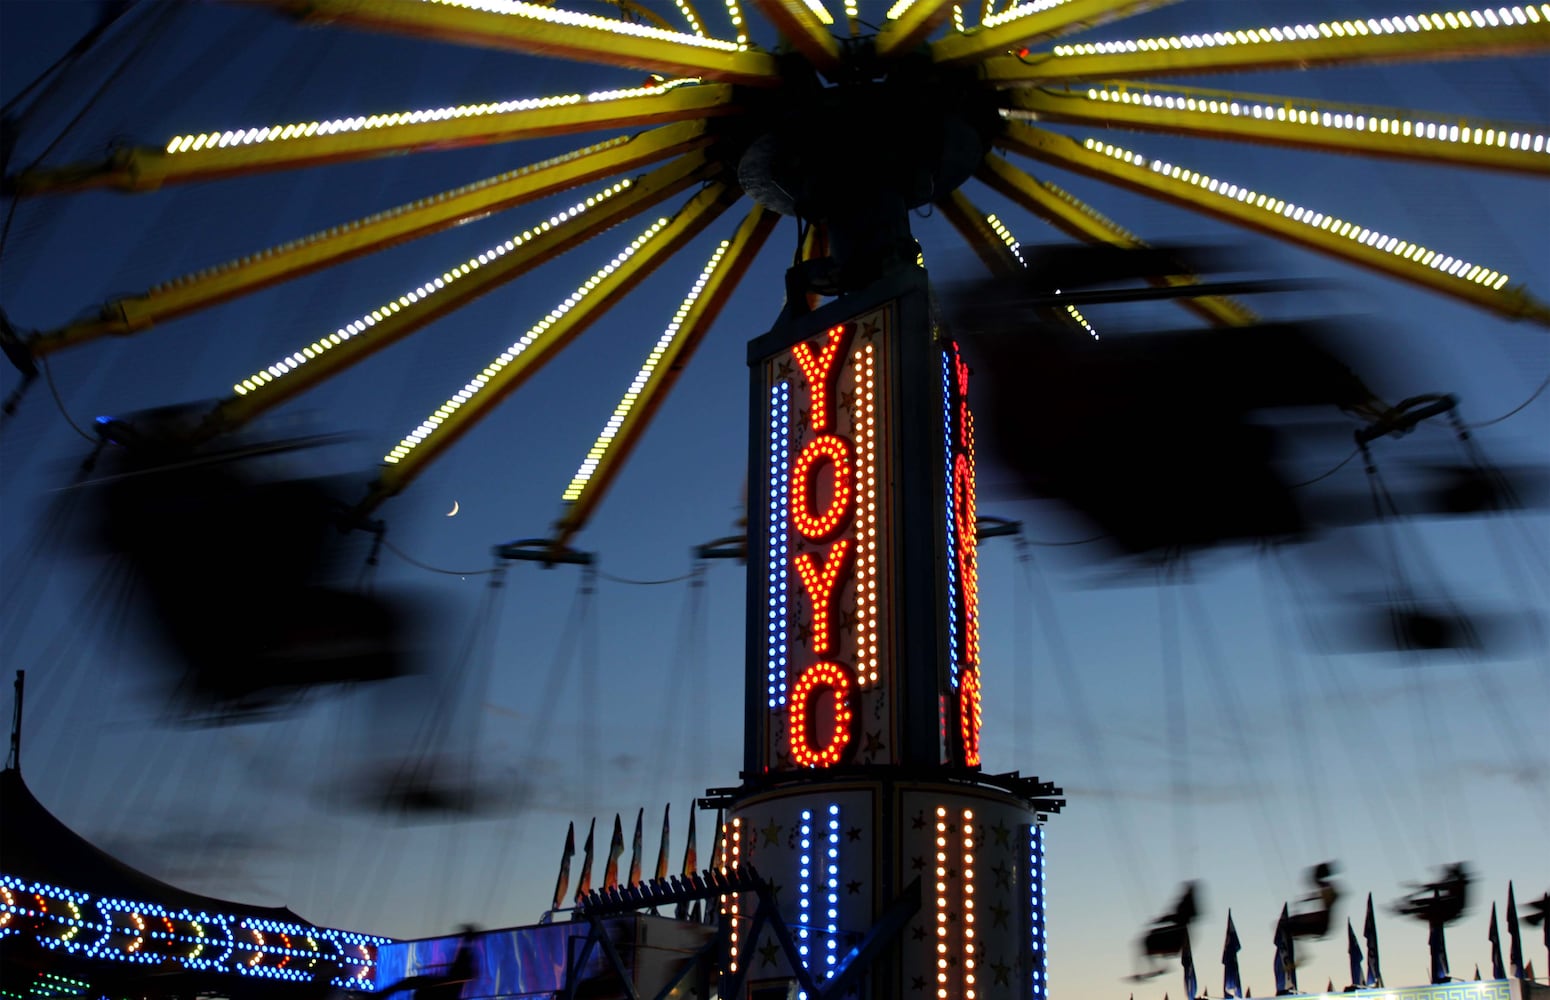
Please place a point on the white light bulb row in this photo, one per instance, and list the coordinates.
(537, 12)
(1017, 12)
(478, 382)
(632, 394)
(819, 11)
(688, 13)
(413, 206)
(1005, 234)
(852, 9)
(1446, 21)
(337, 126)
(1081, 321)
(350, 330)
(735, 14)
(1443, 263)
(897, 10)
(1313, 116)
(958, 24)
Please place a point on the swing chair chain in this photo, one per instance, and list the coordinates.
(1403, 417)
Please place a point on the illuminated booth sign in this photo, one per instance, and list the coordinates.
(836, 624)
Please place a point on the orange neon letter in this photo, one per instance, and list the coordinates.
(815, 526)
(968, 560)
(819, 370)
(803, 753)
(820, 585)
(969, 716)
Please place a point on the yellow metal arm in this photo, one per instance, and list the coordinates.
(660, 372)
(807, 25)
(1473, 283)
(543, 340)
(1076, 218)
(1525, 28)
(1292, 121)
(1031, 22)
(208, 155)
(352, 239)
(534, 28)
(988, 244)
(910, 23)
(456, 287)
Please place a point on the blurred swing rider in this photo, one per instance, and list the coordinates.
(235, 568)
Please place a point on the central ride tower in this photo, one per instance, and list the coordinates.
(895, 864)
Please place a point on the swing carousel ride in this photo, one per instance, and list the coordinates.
(388, 228)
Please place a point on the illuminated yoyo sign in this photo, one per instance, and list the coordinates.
(864, 641)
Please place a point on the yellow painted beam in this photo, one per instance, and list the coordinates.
(1031, 22)
(974, 226)
(231, 152)
(1077, 219)
(461, 284)
(1525, 28)
(1299, 123)
(246, 275)
(505, 373)
(807, 26)
(1348, 241)
(518, 26)
(657, 376)
(913, 23)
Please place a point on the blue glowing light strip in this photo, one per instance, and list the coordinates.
(240, 944)
(948, 411)
(780, 489)
(805, 900)
(1037, 944)
(831, 941)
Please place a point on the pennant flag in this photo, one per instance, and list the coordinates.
(1370, 934)
(1355, 951)
(1498, 968)
(661, 872)
(563, 882)
(1232, 982)
(1477, 972)
(1437, 944)
(1285, 961)
(691, 856)
(635, 848)
(585, 885)
(1329, 986)
(1515, 943)
(615, 848)
(1191, 986)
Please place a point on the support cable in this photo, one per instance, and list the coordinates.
(1178, 730)
(1078, 710)
(561, 668)
(1375, 755)
(1231, 711)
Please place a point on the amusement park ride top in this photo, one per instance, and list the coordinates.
(900, 864)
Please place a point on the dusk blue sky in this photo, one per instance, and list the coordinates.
(1390, 766)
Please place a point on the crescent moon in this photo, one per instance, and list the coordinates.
(453, 511)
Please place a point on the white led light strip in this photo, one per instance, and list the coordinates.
(336, 126)
(819, 11)
(1414, 128)
(1443, 263)
(864, 421)
(632, 394)
(735, 14)
(404, 209)
(532, 11)
(350, 330)
(1007, 238)
(1019, 11)
(543, 326)
(1449, 20)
